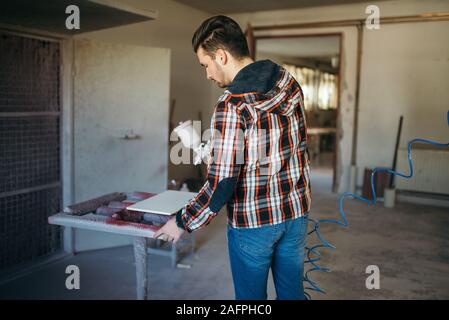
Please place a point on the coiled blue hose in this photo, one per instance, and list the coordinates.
(312, 254)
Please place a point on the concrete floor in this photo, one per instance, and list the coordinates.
(409, 244)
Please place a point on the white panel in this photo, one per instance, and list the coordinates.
(165, 203)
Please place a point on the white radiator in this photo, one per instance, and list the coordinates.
(430, 170)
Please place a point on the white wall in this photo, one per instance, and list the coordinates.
(172, 29)
(405, 72)
(402, 43)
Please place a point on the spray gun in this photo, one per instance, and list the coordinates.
(190, 138)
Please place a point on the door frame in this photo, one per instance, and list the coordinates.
(252, 42)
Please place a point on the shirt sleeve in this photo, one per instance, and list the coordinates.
(225, 161)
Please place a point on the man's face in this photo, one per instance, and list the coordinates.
(214, 70)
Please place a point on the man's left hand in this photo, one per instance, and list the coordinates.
(171, 231)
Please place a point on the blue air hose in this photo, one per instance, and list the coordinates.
(312, 254)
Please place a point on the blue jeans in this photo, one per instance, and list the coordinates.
(253, 252)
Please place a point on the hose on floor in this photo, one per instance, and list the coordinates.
(313, 256)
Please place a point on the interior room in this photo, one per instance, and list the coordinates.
(95, 98)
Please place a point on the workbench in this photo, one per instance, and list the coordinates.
(140, 233)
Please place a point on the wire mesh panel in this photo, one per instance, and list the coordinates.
(30, 189)
(25, 231)
(29, 153)
(29, 74)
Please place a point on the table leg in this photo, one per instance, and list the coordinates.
(140, 255)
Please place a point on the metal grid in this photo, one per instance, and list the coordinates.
(30, 152)
(29, 74)
(30, 188)
(25, 231)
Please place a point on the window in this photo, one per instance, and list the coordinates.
(319, 87)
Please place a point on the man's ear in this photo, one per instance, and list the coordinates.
(221, 56)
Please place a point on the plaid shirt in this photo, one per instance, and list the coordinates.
(259, 163)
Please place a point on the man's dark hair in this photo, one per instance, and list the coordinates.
(220, 32)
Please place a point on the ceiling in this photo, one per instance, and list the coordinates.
(50, 16)
(239, 6)
(325, 46)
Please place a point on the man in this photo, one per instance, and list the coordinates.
(259, 165)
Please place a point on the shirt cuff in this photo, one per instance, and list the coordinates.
(179, 221)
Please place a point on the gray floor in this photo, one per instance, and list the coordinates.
(409, 244)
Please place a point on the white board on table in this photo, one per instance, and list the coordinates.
(166, 203)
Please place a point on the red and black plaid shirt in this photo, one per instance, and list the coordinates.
(259, 163)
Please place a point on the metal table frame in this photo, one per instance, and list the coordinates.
(139, 232)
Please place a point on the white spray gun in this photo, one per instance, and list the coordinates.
(191, 139)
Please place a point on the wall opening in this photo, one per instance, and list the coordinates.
(314, 61)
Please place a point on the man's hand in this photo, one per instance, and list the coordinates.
(169, 231)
